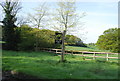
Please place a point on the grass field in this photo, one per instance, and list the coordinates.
(89, 48)
(93, 49)
(46, 65)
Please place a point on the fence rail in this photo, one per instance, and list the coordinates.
(82, 53)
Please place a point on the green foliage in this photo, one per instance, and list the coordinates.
(45, 65)
(27, 36)
(44, 38)
(74, 41)
(91, 44)
(109, 40)
(71, 39)
(30, 36)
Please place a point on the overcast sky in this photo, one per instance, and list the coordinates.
(100, 16)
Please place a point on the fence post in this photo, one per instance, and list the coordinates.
(56, 50)
(71, 52)
(83, 56)
(94, 56)
(107, 57)
(50, 50)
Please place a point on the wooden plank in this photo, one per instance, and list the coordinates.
(56, 49)
(113, 57)
(58, 52)
(95, 56)
(82, 51)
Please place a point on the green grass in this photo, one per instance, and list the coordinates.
(89, 48)
(92, 49)
(45, 65)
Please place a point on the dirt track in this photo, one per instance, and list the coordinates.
(7, 76)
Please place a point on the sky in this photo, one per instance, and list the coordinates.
(100, 16)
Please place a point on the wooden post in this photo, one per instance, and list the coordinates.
(107, 57)
(83, 56)
(50, 50)
(94, 56)
(56, 50)
(71, 52)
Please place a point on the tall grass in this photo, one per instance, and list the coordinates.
(46, 65)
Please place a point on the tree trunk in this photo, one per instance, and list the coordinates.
(37, 41)
(63, 46)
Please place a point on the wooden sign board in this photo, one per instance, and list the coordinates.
(58, 38)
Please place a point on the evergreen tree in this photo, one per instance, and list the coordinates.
(10, 32)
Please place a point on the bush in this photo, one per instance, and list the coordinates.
(72, 40)
(32, 36)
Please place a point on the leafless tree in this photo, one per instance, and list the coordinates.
(39, 18)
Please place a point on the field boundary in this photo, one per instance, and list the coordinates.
(82, 53)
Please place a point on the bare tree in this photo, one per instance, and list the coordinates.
(65, 19)
(22, 20)
(39, 19)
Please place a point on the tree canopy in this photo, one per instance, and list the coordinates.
(46, 38)
(74, 41)
(109, 40)
(28, 38)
